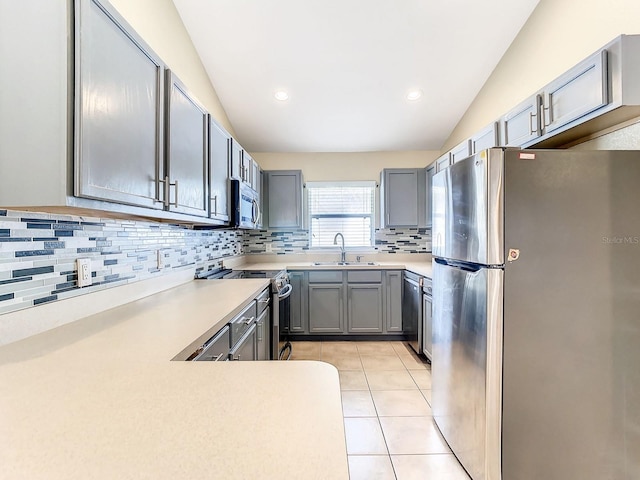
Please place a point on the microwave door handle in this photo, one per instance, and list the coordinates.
(254, 211)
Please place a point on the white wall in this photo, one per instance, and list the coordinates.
(160, 25)
(344, 166)
(558, 35)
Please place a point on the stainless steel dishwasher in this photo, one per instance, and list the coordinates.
(412, 310)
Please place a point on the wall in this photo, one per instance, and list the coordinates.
(158, 22)
(558, 35)
(320, 167)
(38, 253)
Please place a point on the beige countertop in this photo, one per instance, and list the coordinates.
(100, 398)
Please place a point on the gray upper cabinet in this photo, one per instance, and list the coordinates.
(443, 162)
(402, 197)
(488, 137)
(522, 124)
(119, 110)
(576, 93)
(236, 168)
(219, 156)
(461, 151)
(283, 199)
(186, 151)
(254, 171)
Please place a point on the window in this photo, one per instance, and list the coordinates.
(341, 207)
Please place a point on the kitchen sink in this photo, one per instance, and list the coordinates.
(344, 264)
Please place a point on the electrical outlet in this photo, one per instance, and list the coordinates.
(160, 258)
(83, 265)
(268, 247)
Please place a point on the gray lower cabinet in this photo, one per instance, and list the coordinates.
(262, 332)
(119, 110)
(402, 197)
(219, 156)
(283, 199)
(427, 326)
(298, 302)
(364, 308)
(393, 297)
(326, 308)
(186, 151)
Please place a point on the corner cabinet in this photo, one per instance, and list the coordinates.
(119, 111)
(283, 199)
(402, 197)
(186, 151)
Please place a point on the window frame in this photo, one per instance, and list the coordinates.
(372, 184)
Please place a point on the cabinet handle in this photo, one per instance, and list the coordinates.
(175, 184)
(218, 357)
(165, 191)
(532, 128)
(214, 199)
(546, 114)
(248, 321)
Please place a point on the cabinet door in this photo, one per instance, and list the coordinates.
(400, 197)
(219, 154)
(236, 170)
(262, 334)
(579, 91)
(364, 307)
(431, 171)
(461, 151)
(443, 162)
(326, 308)
(284, 199)
(522, 124)
(485, 138)
(247, 346)
(119, 111)
(254, 172)
(393, 311)
(427, 326)
(186, 151)
(298, 303)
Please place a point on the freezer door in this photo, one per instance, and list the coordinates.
(467, 365)
(468, 210)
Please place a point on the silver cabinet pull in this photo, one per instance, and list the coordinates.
(219, 357)
(175, 184)
(167, 185)
(248, 321)
(532, 128)
(214, 199)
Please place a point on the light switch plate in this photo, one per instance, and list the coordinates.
(84, 272)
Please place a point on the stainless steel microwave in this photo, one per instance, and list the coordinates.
(245, 210)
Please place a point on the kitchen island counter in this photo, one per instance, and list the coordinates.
(101, 398)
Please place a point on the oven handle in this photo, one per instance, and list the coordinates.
(285, 292)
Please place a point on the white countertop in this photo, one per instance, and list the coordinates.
(100, 398)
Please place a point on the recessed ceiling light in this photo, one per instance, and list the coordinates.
(414, 95)
(281, 95)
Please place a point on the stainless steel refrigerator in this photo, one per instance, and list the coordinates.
(536, 300)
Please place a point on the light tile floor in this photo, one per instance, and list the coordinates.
(386, 390)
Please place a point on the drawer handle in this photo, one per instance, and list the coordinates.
(218, 357)
(248, 321)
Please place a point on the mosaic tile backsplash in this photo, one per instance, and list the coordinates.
(38, 253)
(388, 240)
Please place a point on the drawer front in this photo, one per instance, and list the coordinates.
(364, 276)
(242, 322)
(262, 301)
(325, 277)
(217, 348)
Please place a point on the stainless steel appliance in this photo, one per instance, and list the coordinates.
(412, 310)
(245, 206)
(536, 336)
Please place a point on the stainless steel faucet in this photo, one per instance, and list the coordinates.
(343, 254)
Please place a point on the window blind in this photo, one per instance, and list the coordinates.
(341, 207)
